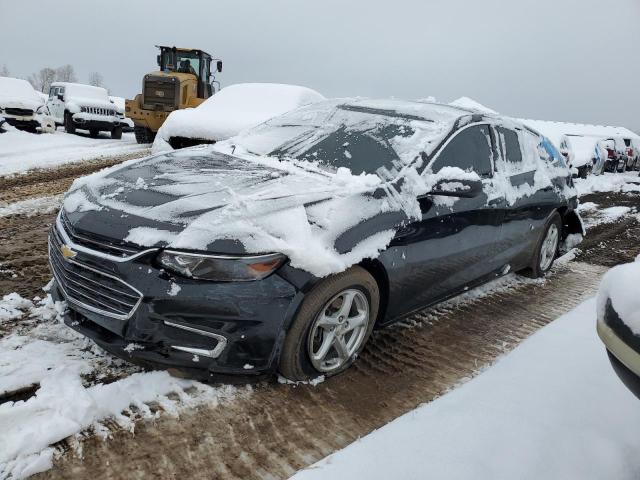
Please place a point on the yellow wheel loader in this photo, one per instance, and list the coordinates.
(184, 80)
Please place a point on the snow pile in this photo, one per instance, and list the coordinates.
(470, 104)
(12, 307)
(621, 284)
(22, 151)
(520, 419)
(232, 110)
(57, 361)
(18, 93)
(608, 182)
(31, 206)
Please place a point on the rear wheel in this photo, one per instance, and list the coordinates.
(144, 134)
(69, 126)
(546, 248)
(332, 327)
(116, 133)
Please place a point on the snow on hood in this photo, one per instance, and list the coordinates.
(232, 110)
(18, 93)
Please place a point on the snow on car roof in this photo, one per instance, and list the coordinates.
(79, 90)
(17, 88)
(233, 109)
(555, 130)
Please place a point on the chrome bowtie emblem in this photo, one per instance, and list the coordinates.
(67, 252)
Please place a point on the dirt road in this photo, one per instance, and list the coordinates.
(279, 429)
(23, 239)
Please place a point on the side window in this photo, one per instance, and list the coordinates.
(469, 150)
(509, 139)
(53, 91)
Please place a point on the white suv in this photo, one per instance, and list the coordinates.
(83, 106)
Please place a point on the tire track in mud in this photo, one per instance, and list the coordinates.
(51, 181)
(279, 429)
(23, 238)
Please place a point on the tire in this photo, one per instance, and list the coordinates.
(540, 263)
(144, 135)
(583, 172)
(69, 126)
(116, 133)
(295, 360)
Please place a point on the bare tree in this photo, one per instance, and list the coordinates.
(96, 79)
(43, 79)
(4, 71)
(65, 73)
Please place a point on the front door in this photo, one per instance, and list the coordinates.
(456, 242)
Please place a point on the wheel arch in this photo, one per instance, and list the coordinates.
(379, 273)
(571, 222)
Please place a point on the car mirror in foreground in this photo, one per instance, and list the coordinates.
(457, 188)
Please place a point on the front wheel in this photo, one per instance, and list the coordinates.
(69, 126)
(546, 248)
(116, 133)
(332, 326)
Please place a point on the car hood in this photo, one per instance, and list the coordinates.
(201, 199)
(92, 102)
(19, 102)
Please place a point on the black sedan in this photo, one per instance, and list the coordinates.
(281, 249)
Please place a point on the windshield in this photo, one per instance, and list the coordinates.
(184, 62)
(334, 136)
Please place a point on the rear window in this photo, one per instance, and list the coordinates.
(509, 140)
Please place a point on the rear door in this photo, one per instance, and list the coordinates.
(456, 242)
(531, 197)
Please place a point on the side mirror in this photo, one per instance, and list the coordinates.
(60, 97)
(457, 188)
(219, 66)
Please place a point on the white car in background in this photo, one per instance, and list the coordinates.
(228, 112)
(22, 107)
(125, 122)
(580, 153)
(75, 105)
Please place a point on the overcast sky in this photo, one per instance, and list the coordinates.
(570, 60)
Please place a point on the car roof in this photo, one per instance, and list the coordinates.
(416, 110)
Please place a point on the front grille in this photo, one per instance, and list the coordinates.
(160, 92)
(21, 112)
(99, 244)
(88, 287)
(98, 111)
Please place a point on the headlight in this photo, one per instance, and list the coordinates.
(221, 268)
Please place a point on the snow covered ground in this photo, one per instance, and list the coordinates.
(552, 408)
(72, 395)
(22, 151)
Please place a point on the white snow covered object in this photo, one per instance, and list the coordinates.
(21, 106)
(227, 113)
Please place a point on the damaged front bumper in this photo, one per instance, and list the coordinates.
(200, 329)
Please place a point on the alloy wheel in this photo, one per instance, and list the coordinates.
(549, 247)
(339, 330)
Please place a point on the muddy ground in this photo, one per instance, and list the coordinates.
(279, 429)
